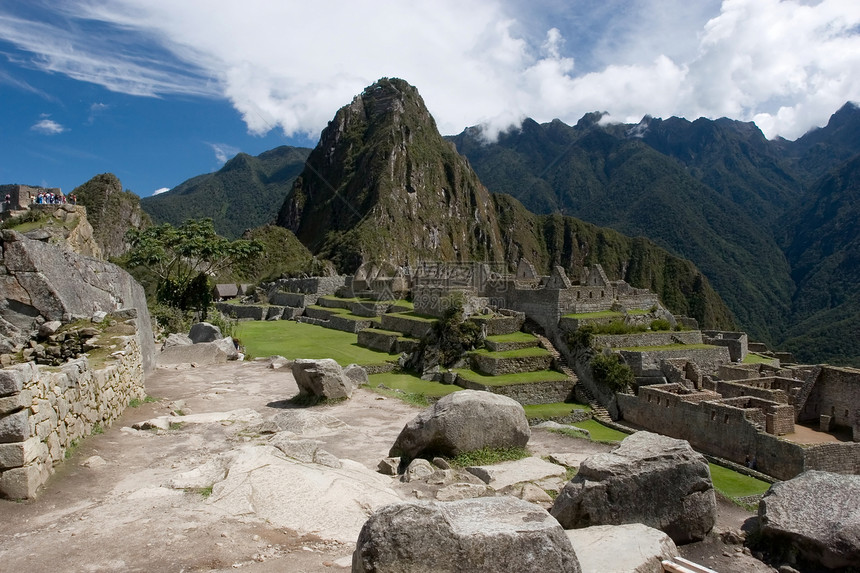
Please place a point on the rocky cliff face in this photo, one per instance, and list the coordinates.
(41, 282)
(382, 184)
(111, 212)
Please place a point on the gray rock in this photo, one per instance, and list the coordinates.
(11, 381)
(49, 328)
(357, 374)
(488, 534)
(226, 344)
(462, 422)
(321, 378)
(204, 332)
(15, 427)
(176, 339)
(632, 548)
(816, 513)
(44, 281)
(650, 479)
(98, 316)
(307, 451)
(277, 362)
(203, 353)
(388, 466)
(417, 470)
(461, 490)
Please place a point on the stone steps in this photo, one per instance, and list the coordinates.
(386, 340)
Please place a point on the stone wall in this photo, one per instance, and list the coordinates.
(526, 394)
(494, 366)
(708, 359)
(646, 339)
(836, 393)
(736, 342)
(44, 412)
(310, 285)
(730, 432)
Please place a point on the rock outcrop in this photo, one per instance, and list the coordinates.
(461, 422)
(476, 535)
(43, 283)
(204, 332)
(817, 515)
(650, 479)
(321, 379)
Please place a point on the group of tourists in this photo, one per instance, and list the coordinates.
(50, 198)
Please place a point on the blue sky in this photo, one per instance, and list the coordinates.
(158, 91)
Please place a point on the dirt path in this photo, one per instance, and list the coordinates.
(106, 508)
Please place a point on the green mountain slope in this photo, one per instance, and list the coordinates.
(610, 179)
(111, 212)
(383, 185)
(244, 194)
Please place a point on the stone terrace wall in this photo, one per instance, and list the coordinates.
(723, 430)
(837, 394)
(646, 339)
(736, 342)
(311, 285)
(43, 411)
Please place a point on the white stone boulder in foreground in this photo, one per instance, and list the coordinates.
(818, 515)
(321, 379)
(464, 421)
(488, 535)
(631, 548)
(650, 479)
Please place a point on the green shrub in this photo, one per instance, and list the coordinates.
(169, 318)
(226, 324)
(488, 456)
(609, 370)
(581, 337)
(660, 324)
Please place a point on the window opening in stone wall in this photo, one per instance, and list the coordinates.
(726, 419)
(713, 415)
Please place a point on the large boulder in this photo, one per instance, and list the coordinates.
(204, 332)
(462, 422)
(321, 379)
(41, 282)
(487, 534)
(817, 515)
(650, 479)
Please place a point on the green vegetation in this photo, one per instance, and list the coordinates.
(183, 258)
(609, 370)
(736, 485)
(555, 410)
(518, 353)
(73, 447)
(489, 456)
(411, 384)
(753, 358)
(97, 429)
(599, 432)
(203, 491)
(111, 212)
(245, 193)
(450, 337)
(598, 314)
(516, 378)
(297, 340)
(282, 255)
(137, 402)
(513, 337)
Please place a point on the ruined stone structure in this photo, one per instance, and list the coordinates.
(23, 196)
(44, 412)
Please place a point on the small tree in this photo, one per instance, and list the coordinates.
(183, 258)
(609, 370)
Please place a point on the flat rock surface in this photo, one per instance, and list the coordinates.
(499, 476)
(631, 548)
(125, 516)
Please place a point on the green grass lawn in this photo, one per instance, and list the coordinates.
(753, 358)
(734, 485)
(556, 410)
(412, 383)
(599, 314)
(415, 316)
(519, 353)
(518, 378)
(296, 340)
(513, 337)
(599, 432)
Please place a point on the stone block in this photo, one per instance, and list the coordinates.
(15, 427)
(11, 381)
(15, 402)
(19, 454)
(22, 483)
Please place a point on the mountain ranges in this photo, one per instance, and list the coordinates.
(770, 223)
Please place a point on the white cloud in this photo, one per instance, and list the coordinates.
(785, 64)
(96, 109)
(160, 191)
(223, 152)
(48, 127)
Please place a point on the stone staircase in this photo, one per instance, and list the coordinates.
(806, 390)
(599, 412)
